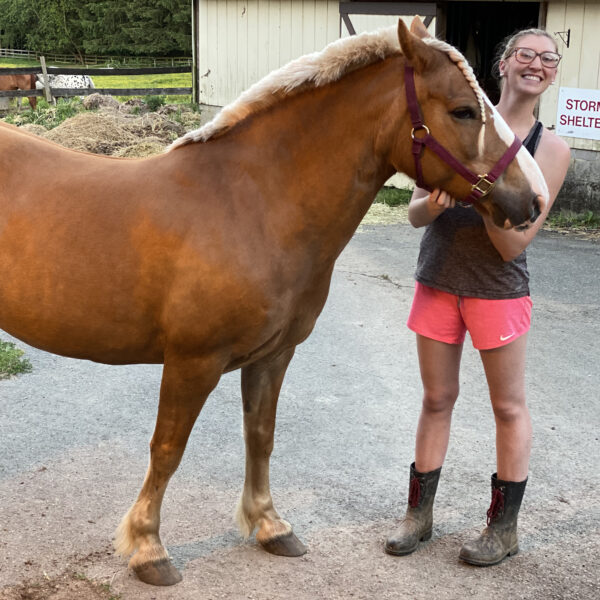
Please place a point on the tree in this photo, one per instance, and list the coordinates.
(137, 27)
(122, 27)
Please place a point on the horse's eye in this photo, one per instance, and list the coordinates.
(463, 113)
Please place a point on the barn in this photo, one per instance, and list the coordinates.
(236, 42)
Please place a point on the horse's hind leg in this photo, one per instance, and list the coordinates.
(184, 389)
(261, 383)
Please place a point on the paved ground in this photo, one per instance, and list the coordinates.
(74, 439)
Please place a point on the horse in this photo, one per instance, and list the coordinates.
(19, 82)
(217, 255)
(77, 82)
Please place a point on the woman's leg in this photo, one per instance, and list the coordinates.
(505, 373)
(439, 363)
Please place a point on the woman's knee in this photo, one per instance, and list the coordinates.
(438, 401)
(510, 410)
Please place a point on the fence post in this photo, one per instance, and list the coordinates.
(45, 78)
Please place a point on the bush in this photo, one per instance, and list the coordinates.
(12, 361)
(46, 115)
(154, 102)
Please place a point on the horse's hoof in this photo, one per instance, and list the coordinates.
(161, 572)
(285, 545)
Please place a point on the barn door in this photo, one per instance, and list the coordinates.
(478, 28)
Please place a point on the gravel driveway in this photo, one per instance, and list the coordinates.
(74, 449)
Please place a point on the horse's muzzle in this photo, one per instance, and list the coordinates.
(507, 216)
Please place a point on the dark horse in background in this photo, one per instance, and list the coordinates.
(19, 82)
(218, 254)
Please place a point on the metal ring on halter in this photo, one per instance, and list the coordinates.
(412, 132)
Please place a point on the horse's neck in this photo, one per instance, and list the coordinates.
(322, 147)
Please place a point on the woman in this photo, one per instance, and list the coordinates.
(472, 275)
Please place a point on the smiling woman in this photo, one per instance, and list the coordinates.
(472, 276)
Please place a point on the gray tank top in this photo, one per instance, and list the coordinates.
(457, 256)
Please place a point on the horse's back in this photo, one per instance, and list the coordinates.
(131, 254)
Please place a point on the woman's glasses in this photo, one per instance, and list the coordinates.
(527, 56)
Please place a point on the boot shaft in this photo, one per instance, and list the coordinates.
(422, 487)
(506, 500)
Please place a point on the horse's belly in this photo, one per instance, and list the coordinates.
(75, 303)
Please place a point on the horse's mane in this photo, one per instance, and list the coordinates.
(317, 69)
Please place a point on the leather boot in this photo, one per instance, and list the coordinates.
(499, 538)
(417, 523)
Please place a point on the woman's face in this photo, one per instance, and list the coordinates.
(535, 77)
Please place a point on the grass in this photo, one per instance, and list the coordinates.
(393, 196)
(11, 361)
(566, 218)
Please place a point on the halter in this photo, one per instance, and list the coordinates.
(481, 185)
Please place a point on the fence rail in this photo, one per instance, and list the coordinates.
(99, 60)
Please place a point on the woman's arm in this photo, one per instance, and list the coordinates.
(425, 207)
(553, 157)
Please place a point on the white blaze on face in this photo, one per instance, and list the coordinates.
(527, 163)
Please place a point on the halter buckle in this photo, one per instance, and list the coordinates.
(484, 186)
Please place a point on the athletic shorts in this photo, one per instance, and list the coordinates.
(446, 318)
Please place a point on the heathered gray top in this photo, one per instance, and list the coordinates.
(457, 256)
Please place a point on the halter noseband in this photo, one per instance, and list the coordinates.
(481, 185)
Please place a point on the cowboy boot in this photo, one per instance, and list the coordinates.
(499, 538)
(416, 525)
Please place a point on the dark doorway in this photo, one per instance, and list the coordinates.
(478, 28)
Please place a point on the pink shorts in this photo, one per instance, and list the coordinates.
(446, 318)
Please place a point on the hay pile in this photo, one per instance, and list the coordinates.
(121, 129)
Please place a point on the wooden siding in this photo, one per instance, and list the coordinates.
(241, 41)
(580, 65)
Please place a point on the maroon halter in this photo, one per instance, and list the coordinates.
(481, 185)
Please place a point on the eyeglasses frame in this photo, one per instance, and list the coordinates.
(514, 52)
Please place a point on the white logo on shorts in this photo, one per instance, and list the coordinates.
(503, 338)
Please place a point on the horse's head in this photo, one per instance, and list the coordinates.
(460, 142)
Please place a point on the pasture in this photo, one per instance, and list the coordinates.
(167, 80)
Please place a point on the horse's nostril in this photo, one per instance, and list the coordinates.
(535, 210)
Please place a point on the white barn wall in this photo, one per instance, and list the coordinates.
(241, 41)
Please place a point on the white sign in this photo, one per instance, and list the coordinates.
(578, 113)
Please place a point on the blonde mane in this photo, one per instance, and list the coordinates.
(317, 69)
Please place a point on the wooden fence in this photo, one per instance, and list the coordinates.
(139, 61)
(52, 93)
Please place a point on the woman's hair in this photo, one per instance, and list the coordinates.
(508, 45)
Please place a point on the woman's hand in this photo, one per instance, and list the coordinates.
(442, 200)
(425, 207)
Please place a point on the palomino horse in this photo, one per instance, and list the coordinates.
(19, 82)
(217, 255)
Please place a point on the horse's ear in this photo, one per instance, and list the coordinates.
(418, 28)
(417, 52)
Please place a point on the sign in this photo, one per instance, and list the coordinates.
(578, 113)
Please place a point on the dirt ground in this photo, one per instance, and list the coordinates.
(102, 576)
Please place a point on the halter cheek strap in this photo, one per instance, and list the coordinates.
(481, 185)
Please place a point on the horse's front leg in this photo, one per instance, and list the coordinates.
(185, 386)
(261, 382)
